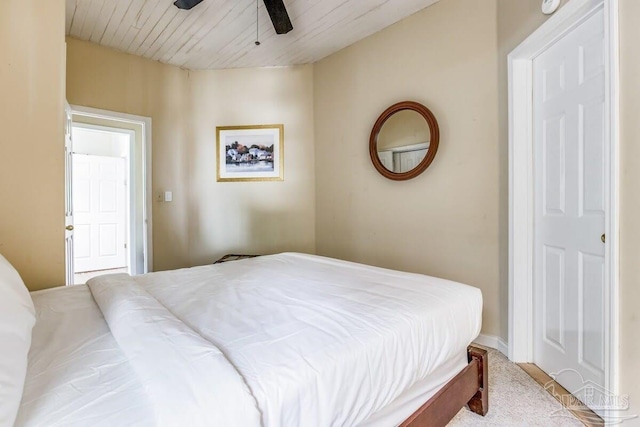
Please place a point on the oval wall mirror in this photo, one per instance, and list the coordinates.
(404, 140)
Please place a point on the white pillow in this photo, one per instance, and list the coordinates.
(17, 317)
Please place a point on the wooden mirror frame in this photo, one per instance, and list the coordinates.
(433, 144)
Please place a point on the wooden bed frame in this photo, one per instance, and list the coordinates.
(470, 387)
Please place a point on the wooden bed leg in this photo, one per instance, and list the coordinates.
(479, 403)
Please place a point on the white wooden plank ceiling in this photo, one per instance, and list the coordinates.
(221, 33)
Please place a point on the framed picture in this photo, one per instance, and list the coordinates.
(250, 153)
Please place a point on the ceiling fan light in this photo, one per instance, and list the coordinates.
(186, 4)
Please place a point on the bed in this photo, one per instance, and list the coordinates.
(280, 340)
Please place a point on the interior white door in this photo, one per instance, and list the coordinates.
(68, 197)
(100, 212)
(569, 255)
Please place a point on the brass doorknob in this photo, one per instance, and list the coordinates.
(603, 238)
(69, 227)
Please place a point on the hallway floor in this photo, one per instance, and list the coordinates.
(81, 278)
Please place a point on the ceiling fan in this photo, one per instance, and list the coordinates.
(276, 8)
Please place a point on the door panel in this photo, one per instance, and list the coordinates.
(107, 236)
(100, 213)
(569, 256)
(593, 155)
(554, 165)
(82, 247)
(591, 327)
(553, 289)
(68, 197)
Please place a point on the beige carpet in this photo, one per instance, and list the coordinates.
(515, 399)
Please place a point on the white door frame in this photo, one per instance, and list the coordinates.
(521, 176)
(145, 122)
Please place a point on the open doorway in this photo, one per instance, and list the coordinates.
(107, 182)
(101, 183)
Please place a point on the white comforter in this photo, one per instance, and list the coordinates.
(284, 340)
(188, 379)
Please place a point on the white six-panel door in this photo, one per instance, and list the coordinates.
(99, 205)
(569, 255)
(68, 198)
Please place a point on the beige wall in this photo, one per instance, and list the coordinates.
(32, 67)
(104, 78)
(261, 217)
(206, 218)
(445, 222)
(516, 21)
(630, 205)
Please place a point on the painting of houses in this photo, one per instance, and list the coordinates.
(250, 153)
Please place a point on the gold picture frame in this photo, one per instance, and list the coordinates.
(250, 153)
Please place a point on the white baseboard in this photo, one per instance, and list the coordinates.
(494, 342)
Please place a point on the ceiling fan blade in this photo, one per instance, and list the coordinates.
(279, 16)
(186, 4)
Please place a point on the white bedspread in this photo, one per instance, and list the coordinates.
(315, 341)
(322, 342)
(77, 376)
(188, 380)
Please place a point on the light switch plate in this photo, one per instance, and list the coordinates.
(168, 196)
